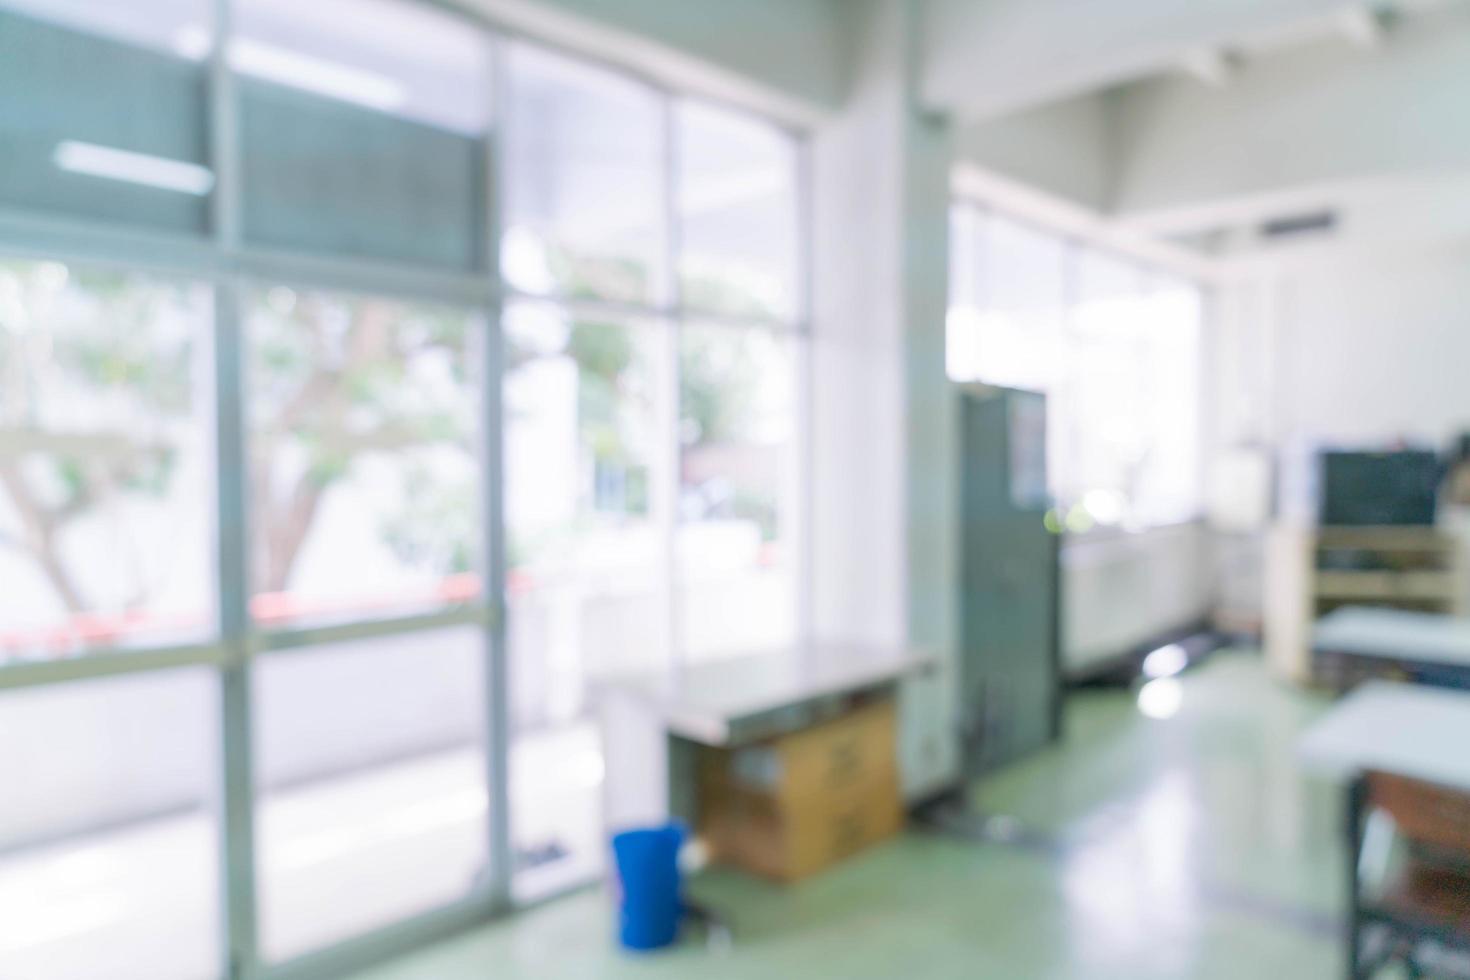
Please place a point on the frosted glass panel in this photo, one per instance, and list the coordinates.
(75, 138)
(370, 784)
(109, 859)
(358, 144)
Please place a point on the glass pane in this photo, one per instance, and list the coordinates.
(583, 208)
(738, 228)
(74, 139)
(1173, 310)
(737, 490)
(363, 472)
(964, 321)
(967, 224)
(585, 431)
(370, 775)
(109, 855)
(355, 142)
(104, 485)
(1023, 301)
(1110, 391)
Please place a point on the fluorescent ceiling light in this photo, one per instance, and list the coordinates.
(316, 75)
(303, 71)
(134, 168)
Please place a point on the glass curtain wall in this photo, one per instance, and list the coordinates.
(363, 406)
(1115, 346)
(648, 454)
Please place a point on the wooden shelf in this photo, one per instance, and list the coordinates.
(1386, 586)
(1425, 539)
(1421, 568)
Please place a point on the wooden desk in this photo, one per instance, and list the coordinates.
(650, 723)
(1421, 732)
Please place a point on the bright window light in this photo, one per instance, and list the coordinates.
(1161, 699)
(286, 67)
(1165, 661)
(316, 75)
(193, 42)
(134, 168)
(1107, 507)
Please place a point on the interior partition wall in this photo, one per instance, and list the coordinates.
(363, 405)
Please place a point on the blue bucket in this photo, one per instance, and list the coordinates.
(651, 903)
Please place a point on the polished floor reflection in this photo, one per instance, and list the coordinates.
(1151, 844)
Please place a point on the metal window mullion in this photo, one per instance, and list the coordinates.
(104, 662)
(1063, 402)
(288, 639)
(237, 811)
(492, 495)
(657, 310)
(213, 259)
(805, 368)
(670, 297)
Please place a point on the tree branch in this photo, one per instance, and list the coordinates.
(40, 538)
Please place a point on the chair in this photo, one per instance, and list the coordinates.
(1423, 901)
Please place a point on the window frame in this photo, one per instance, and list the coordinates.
(224, 261)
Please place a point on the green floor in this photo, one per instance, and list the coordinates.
(1185, 847)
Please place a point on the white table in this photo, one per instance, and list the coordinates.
(646, 720)
(1407, 730)
(1429, 646)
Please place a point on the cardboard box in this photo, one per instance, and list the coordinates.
(791, 806)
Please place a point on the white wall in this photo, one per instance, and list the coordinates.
(1354, 350)
(883, 522)
(1372, 351)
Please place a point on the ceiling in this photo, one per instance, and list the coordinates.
(1353, 109)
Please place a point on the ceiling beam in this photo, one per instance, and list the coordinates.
(1364, 27)
(1214, 67)
(987, 58)
(1300, 123)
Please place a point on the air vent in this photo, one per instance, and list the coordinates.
(1292, 226)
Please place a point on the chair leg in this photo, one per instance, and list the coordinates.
(1355, 918)
(1372, 946)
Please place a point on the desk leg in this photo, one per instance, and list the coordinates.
(683, 782)
(1355, 970)
(635, 752)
